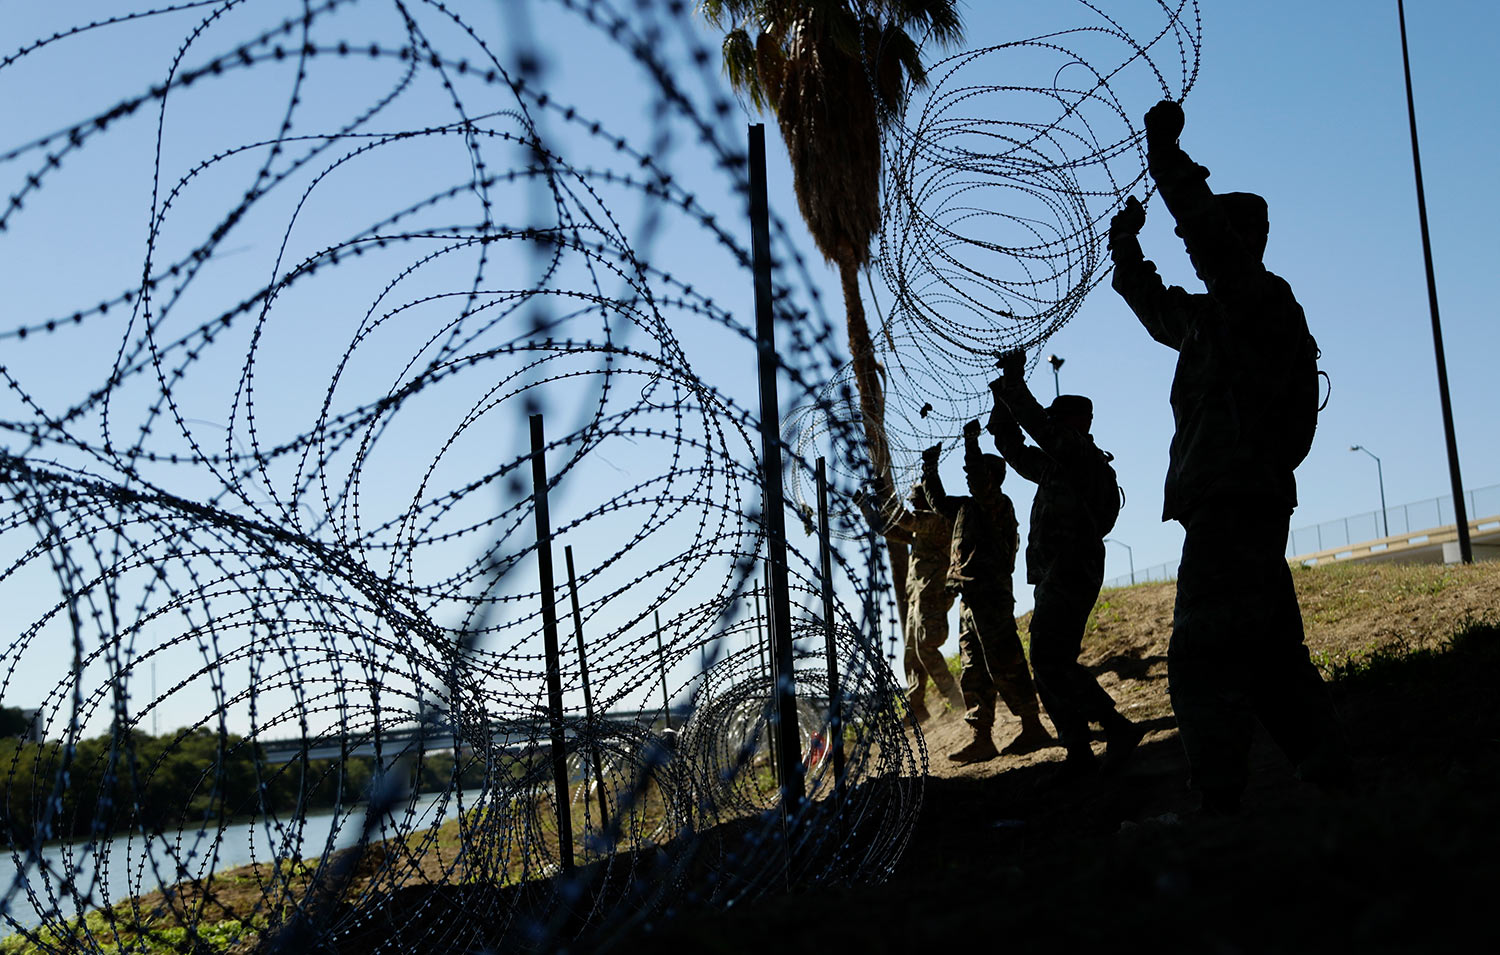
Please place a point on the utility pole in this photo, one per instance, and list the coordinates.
(1460, 512)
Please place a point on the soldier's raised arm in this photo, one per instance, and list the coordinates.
(1029, 462)
(974, 455)
(932, 484)
(1218, 252)
(894, 522)
(1163, 311)
(1058, 444)
(1011, 390)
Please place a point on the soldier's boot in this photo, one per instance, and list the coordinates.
(1079, 766)
(1033, 736)
(1121, 739)
(978, 750)
(918, 711)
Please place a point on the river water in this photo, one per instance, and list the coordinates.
(136, 864)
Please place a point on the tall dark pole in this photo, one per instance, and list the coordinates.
(760, 637)
(588, 696)
(835, 695)
(771, 697)
(1056, 364)
(661, 663)
(549, 645)
(1460, 512)
(767, 669)
(773, 505)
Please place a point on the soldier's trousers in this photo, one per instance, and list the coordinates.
(1070, 693)
(993, 662)
(1237, 651)
(926, 632)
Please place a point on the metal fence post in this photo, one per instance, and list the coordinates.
(549, 644)
(661, 663)
(835, 694)
(773, 508)
(588, 698)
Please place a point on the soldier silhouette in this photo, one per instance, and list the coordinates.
(980, 566)
(1075, 507)
(928, 600)
(1245, 401)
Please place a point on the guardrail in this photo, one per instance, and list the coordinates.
(1404, 527)
(1412, 519)
(1150, 575)
(1396, 544)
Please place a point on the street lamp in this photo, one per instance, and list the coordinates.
(1385, 526)
(1056, 363)
(1128, 553)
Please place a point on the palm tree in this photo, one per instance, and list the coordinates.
(835, 73)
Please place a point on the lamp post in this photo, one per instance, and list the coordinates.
(1128, 553)
(1056, 363)
(1385, 527)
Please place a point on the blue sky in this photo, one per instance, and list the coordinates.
(1301, 103)
(1305, 104)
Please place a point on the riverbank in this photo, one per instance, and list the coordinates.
(1404, 862)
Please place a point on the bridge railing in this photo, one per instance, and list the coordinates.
(406, 737)
(1401, 519)
(1148, 575)
(1345, 532)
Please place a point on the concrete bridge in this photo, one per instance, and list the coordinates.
(1429, 546)
(410, 738)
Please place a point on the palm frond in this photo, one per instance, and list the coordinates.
(939, 17)
(899, 58)
(740, 64)
(720, 13)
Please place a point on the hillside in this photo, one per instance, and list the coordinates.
(1406, 863)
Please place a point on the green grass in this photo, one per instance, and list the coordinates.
(1384, 661)
(94, 932)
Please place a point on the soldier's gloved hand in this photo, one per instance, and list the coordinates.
(1128, 221)
(998, 412)
(1002, 423)
(1012, 369)
(932, 454)
(971, 430)
(1164, 123)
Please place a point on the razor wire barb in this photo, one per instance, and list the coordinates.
(287, 280)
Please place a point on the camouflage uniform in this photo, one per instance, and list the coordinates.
(981, 561)
(928, 603)
(1064, 558)
(1237, 651)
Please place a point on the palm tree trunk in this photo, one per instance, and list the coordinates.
(872, 411)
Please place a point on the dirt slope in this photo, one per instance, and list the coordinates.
(1407, 862)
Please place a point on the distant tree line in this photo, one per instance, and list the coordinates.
(132, 781)
(13, 721)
